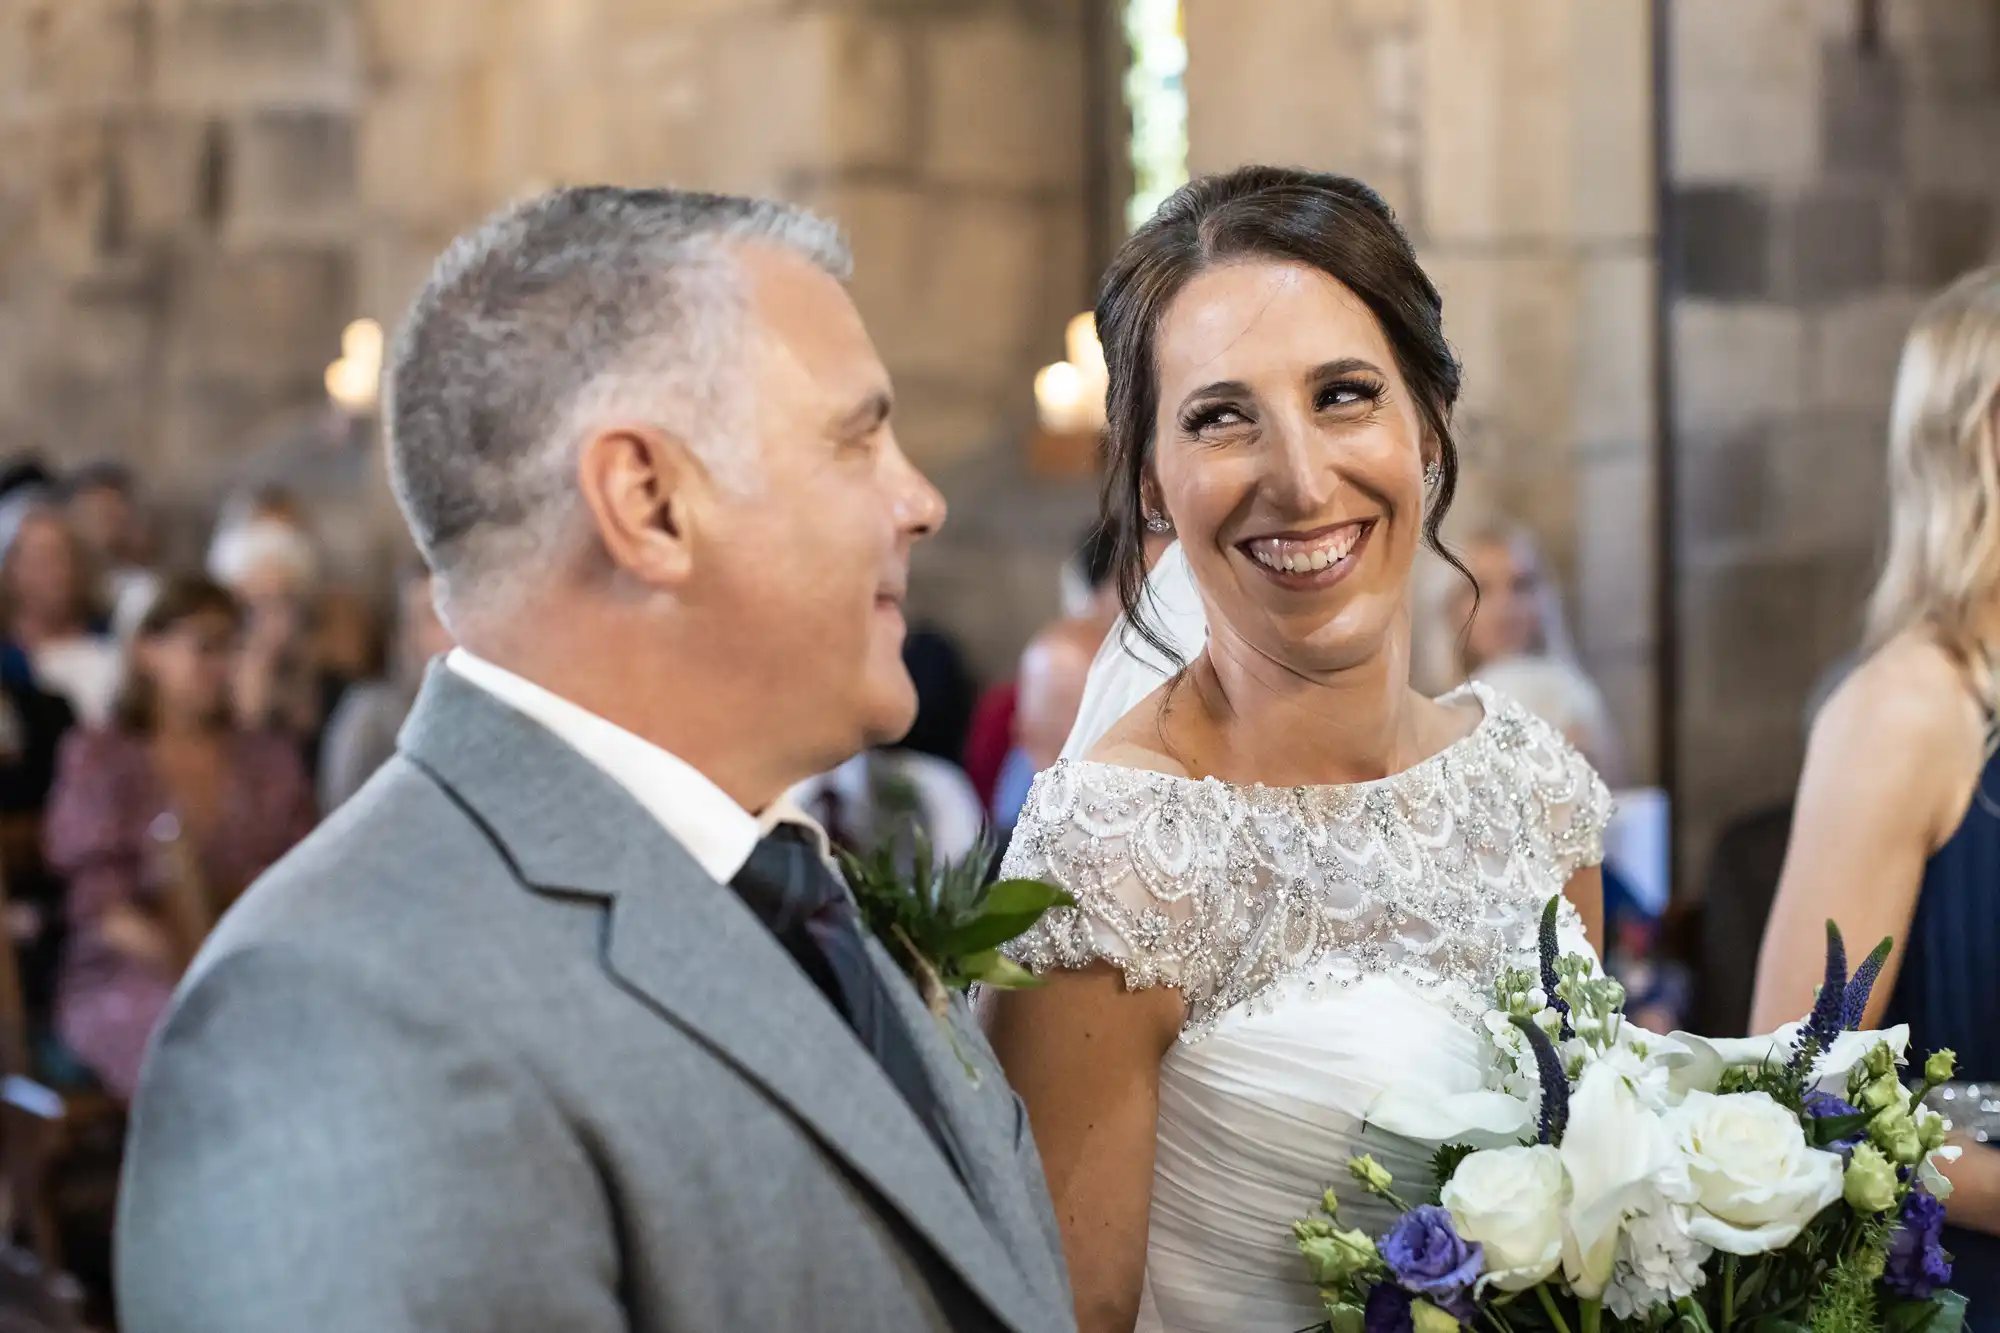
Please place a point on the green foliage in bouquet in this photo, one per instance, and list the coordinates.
(944, 921)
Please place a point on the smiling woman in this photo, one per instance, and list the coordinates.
(1296, 877)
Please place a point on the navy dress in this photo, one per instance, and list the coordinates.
(1948, 991)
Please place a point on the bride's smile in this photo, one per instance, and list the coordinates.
(1311, 560)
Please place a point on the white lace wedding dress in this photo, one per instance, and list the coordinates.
(1327, 941)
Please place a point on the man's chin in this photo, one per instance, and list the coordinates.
(890, 719)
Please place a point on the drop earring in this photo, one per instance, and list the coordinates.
(1433, 474)
(1159, 524)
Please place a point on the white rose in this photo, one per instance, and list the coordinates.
(1511, 1201)
(1756, 1182)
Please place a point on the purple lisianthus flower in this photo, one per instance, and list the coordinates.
(1917, 1263)
(1824, 1106)
(1428, 1257)
(1388, 1310)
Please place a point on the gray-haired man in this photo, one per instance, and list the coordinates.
(557, 1026)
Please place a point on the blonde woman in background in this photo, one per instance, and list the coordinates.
(1897, 829)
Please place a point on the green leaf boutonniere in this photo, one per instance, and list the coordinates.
(942, 921)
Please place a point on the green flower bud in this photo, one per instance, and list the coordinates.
(1895, 1134)
(1307, 1228)
(1871, 1262)
(1330, 1203)
(1940, 1067)
(1870, 1183)
(1930, 1130)
(1880, 1062)
(1335, 1258)
(1373, 1176)
(1430, 1319)
(1883, 1093)
(1343, 1317)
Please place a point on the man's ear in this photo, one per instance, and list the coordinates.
(641, 485)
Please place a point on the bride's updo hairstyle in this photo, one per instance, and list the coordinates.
(1332, 223)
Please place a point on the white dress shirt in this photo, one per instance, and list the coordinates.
(717, 832)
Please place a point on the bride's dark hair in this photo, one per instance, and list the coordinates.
(1335, 224)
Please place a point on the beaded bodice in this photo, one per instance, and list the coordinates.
(1438, 873)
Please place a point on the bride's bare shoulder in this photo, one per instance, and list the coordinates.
(1135, 741)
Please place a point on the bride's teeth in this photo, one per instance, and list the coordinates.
(1290, 558)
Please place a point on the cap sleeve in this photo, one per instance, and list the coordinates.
(1143, 854)
(1569, 805)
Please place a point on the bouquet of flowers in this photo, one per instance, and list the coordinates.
(1611, 1176)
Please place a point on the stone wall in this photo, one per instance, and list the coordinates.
(176, 228)
(1832, 164)
(1515, 143)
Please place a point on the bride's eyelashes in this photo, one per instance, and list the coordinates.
(1348, 397)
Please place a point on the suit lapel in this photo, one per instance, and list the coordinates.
(687, 947)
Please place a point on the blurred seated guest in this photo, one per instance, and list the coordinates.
(48, 611)
(881, 794)
(989, 738)
(1049, 685)
(32, 725)
(101, 500)
(1512, 636)
(159, 821)
(269, 564)
(944, 694)
(362, 734)
(1897, 824)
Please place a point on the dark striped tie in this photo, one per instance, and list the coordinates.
(800, 901)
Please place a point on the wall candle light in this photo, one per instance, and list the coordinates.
(354, 382)
(1069, 404)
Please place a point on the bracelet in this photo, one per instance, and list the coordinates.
(1972, 1109)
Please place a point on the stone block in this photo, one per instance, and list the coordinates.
(1611, 119)
(1834, 243)
(1948, 146)
(1745, 92)
(1830, 473)
(1536, 121)
(239, 53)
(1861, 111)
(259, 315)
(1752, 637)
(1951, 234)
(1721, 242)
(1736, 364)
(160, 157)
(77, 195)
(1616, 545)
(294, 174)
(391, 265)
(84, 53)
(106, 340)
(419, 151)
(1727, 496)
(401, 39)
(1615, 387)
(940, 422)
(1952, 50)
(1629, 682)
(1855, 347)
(1005, 103)
(1238, 112)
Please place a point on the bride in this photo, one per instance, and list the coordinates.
(1296, 878)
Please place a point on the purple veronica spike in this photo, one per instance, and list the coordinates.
(1823, 1024)
(1555, 1084)
(1854, 1003)
(1549, 949)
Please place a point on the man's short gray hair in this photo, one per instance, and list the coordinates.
(556, 316)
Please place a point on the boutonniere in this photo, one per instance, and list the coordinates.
(943, 921)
